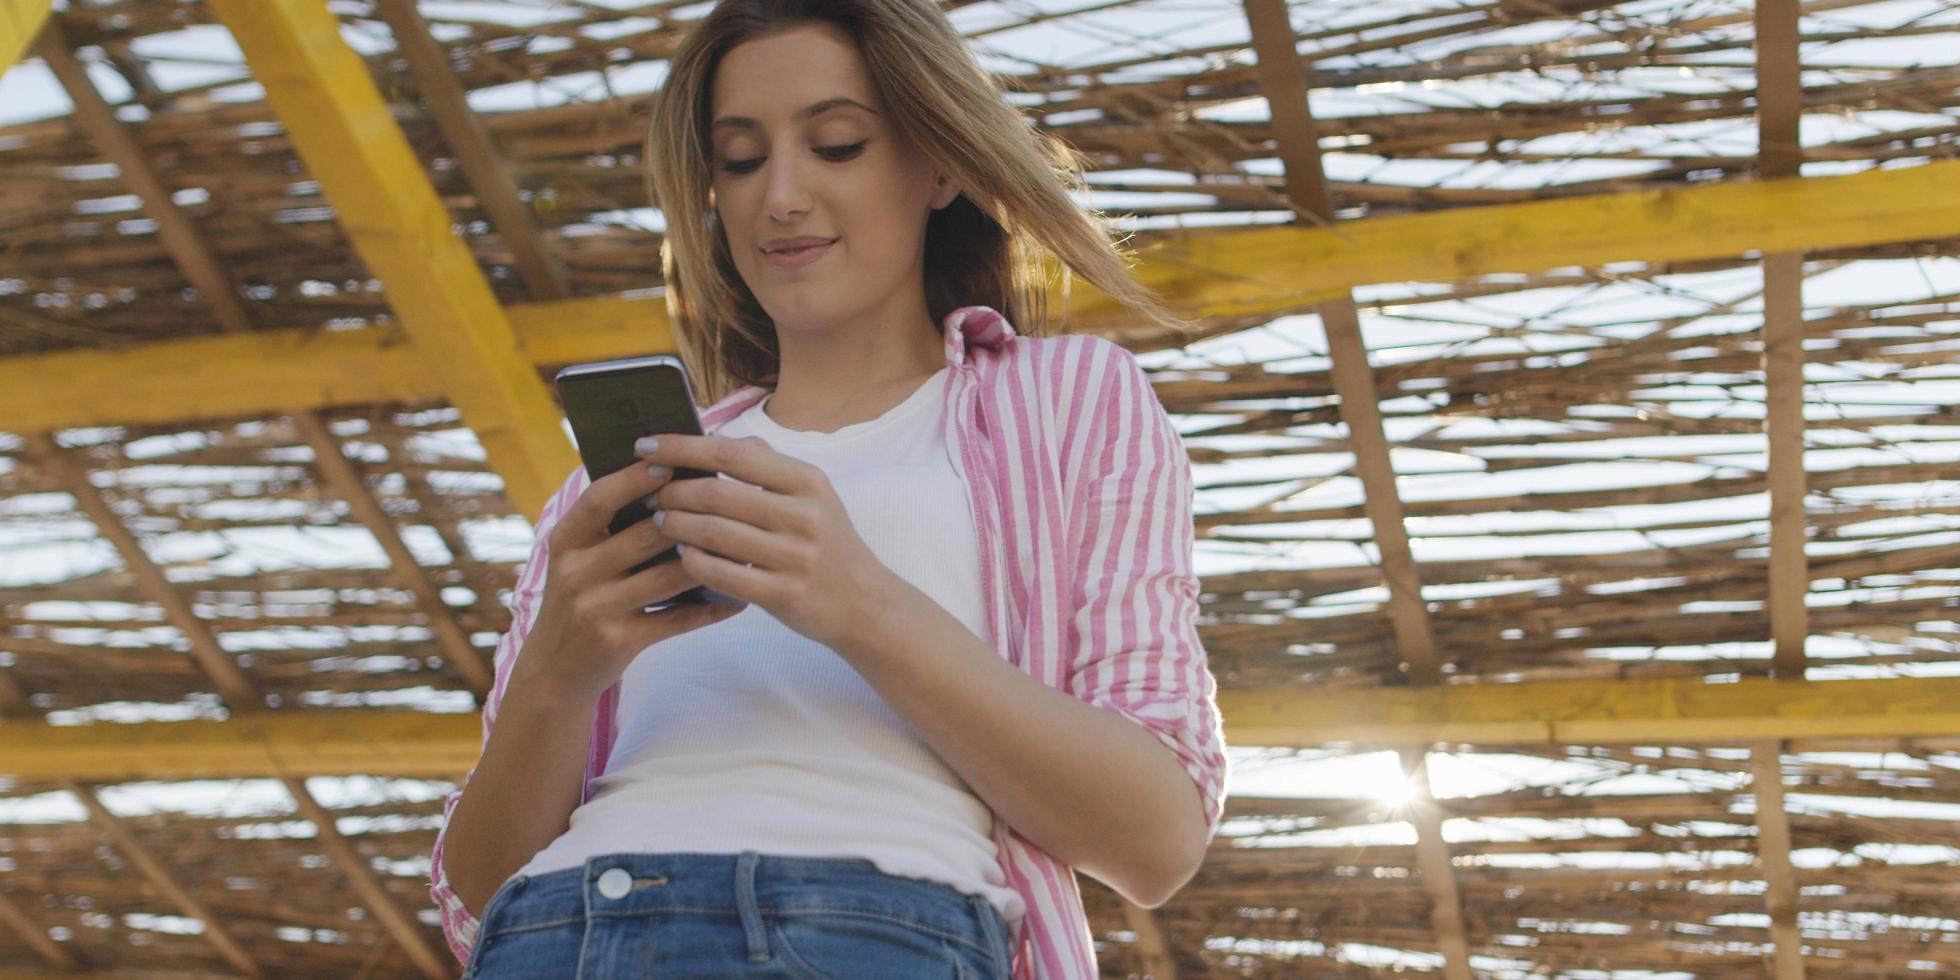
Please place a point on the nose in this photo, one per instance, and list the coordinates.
(787, 190)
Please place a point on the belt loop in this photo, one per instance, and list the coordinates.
(745, 902)
(993, 930)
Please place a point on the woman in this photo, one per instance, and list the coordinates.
(968, 633)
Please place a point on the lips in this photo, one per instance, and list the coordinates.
(793, 245)
(797, 253)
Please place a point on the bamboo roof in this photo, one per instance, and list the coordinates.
(1573, 425)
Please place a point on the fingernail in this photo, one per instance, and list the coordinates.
(660, 518)
(645, 444)
(649, 499)
(659, 471)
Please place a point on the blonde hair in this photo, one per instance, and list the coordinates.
(987, 248)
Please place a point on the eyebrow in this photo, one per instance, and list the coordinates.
(810, 112)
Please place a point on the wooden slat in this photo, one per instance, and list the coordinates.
(543, 274)
(1158, 963)
(1773, 851)
(1789, 566)
(240, 694)
(175, 229)
(1284, 83)
(1779, 108)
(346, 481)
(328, 103)
(1433, 857)
(406, 931)
(214, 928)
(423, 745)
(35, 936)
(1779, 89)
(20, 20)
(13, 698)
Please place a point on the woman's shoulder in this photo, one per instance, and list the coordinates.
(1068, 355)
(1074, 364)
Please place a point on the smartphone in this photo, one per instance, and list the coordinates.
(610, 405)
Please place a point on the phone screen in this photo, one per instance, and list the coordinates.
(610, 404)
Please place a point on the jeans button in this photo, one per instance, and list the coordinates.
(615, 883)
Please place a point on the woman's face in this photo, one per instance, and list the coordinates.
(801, 149)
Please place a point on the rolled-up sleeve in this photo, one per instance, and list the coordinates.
(1134, 618)
(459, 927)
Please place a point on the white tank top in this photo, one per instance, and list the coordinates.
(746, 735)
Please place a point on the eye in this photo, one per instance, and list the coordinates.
(835, 154)
(842, 152)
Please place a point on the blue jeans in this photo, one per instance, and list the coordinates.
(735, 915)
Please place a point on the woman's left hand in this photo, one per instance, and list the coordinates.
(779, 538)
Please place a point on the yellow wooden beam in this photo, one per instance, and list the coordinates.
(1271, 269)
(351, 143)
(20, 21)
(1651, 712)
(413, 744)
(1655, 712)
(270, 372)
(1250, 271)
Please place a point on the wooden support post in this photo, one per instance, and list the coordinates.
(344, 132)
(1779, 110)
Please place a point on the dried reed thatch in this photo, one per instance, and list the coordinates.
(287, 588)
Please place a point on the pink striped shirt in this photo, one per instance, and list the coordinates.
(1082, 496)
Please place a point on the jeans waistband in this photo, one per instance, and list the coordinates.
(750, 882)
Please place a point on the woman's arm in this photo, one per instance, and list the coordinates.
(1121, 771)
(521, 794)
(523, 789)
(1089, 786)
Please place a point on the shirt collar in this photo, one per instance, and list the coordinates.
(976, 326)
(969, 326)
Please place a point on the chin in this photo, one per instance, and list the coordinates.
(790, 312)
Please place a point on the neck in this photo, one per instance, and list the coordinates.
(839, 374)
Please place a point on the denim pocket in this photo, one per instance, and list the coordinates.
(863, 945)
(498, 900)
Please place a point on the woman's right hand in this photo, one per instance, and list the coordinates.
(592, 623)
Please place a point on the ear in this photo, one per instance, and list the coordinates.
(943, 192)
